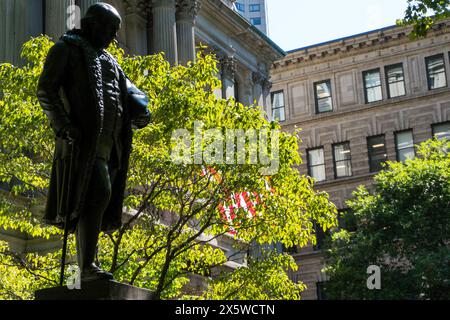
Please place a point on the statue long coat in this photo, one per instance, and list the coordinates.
(70, 92)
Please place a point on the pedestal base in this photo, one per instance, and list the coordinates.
(95, 290)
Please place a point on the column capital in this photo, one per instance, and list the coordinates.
(137, 7)
(163, 4)
(188, 9)
(258, 78)
(267, 85)
(228, 66)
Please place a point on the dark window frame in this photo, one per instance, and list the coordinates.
(317, 165)
(317, 98)
(250, 6)
(335, 163)
(396, 133)
(440, 55)
(369, 154)
(365, 85)
(272, 94)
(388, 88)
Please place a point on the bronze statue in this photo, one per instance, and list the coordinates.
(92, 107)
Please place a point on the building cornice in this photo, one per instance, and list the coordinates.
(357, 44)
(242, 29)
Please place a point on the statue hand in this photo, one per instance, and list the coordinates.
(70, 132)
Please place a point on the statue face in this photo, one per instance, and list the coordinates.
(102, 33)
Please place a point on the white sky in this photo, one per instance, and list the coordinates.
(298, 23)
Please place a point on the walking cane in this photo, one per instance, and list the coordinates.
(65, 200)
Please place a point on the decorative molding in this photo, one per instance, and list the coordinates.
(188, 9)
(356, 44)
(137, 7)
(228, 67)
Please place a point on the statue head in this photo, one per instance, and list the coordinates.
(100, 24)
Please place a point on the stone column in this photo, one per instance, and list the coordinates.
(57, 15)
(267, 86)
(258, 88)
(164, 29)
(85, 4)
(19, 20)
(228, 74)
(136, 26)
(187, 11)
(246, 88)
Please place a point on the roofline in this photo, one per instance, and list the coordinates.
(258, 32)
(343, 38)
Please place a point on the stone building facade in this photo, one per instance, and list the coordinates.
(174, 27)
(360, 101)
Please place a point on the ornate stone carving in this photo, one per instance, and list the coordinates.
(187, 9)
(258, 78)
(139, 7)
(228, 67)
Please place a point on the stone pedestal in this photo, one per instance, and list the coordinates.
(95, 290)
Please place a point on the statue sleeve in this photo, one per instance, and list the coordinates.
(49, 85)
(138, 103)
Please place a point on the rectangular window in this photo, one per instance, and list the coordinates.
(316, 164)
(404, 145)
(278, 106)
(395, 79)
(377, 152)
(240, 6)
(441, 131)
(320, 236)
(255, 21)
(372, 85)
(342, 160)
(324, 100)
(436, 72)
(255, 8)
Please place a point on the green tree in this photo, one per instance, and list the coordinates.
(403, 226)
(173, 207)
(423, 14)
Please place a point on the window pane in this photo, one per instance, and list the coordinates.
(325, 105)
(343, 169)
(342, 152)
(442, 131)
(374, 94)
(372, 78)
(405, 140)
(436, 72)
(316, 164)
(395, 73)
(342, 158)
(318, 172)
(405, 145)
(437, 80)
(278, 114)
(436, 65)
(323, 90)
(255, 8)
(396, 80)
(397, 89)
(278, 100)
(316, 157)
(377, 152)
(406, 154)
